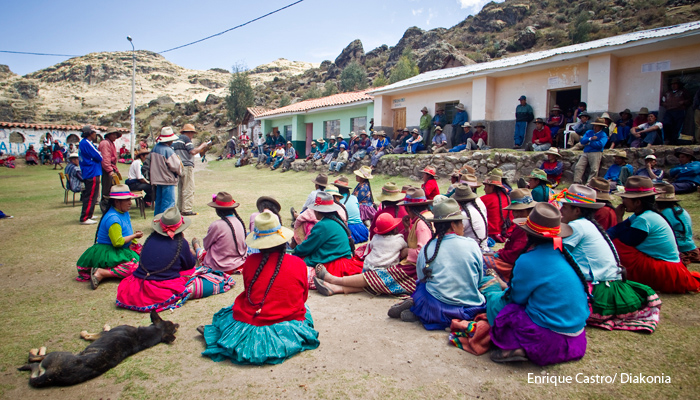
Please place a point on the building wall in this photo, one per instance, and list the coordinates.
(413, 102)
(36, 136)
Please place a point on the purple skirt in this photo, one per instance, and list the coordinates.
(513, 329)
(436, 315)
(367, 212)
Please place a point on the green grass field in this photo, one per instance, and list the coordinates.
(363, 354)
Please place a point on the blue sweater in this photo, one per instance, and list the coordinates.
(548, 287)
(689, 172)
(456, 271)
(90, 159)
(592, 146)
(114, 217)
(460, 118)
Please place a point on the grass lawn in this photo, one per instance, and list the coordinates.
(363, 354)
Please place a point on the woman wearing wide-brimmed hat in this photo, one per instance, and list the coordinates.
(474, 212)
(115, 253)
(680, 222)
(686, 176)
(390, 196)
(418, 229)
(330, 241)
(363, 192)
(538, 185)
(382, 273)
(495, 200)
(502, 261)
(430, 186)
(553, 166)
(615, 303)
(350, 212)
(224, 247)
(606, 215)
(269, 321)
(546, 317)
(646, 244)
(166, 265)
(165, 168)
(449, 269)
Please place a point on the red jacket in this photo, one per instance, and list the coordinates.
(284, 302)
(494, 212)
(483, 135)
(109, 155)
(606, 217)
(431, 189)
(514, 246)
(544, 135)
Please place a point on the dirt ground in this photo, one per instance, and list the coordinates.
(363, 353)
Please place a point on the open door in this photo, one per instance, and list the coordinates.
(567, 99)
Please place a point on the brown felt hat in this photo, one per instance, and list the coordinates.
(342, 181)
(415, 197)
(638, 186)
(684, 150)
(321, 180)
(602, 188)
(464, 193)
(580, 196)
(223, 200)
(113, 130)
(520, 199)
(543, 221)
(188, 128)
(494, 180)
(666, 193)
(267, 198)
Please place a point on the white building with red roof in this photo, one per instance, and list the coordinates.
(16, 137)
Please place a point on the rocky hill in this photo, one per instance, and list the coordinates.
(97, 87)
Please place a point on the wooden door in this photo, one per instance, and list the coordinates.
(399, 120)
(309, 137)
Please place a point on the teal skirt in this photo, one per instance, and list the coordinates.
(247, 344)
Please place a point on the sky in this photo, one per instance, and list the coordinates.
(312, 30)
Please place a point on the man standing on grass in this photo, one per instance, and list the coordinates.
(165, 168)
(109, 165)
(186, 151)
(523, 115)
(91, 168)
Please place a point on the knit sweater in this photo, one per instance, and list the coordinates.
(222, 253)
(383, 251)
(90, 160)
(326, 242)
(157, 253)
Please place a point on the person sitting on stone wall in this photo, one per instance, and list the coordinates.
(278, 156)
(290, 155)
(582, 126)
(461, 140)
(541, 137)
(439, 142)
(360, 147)
(330, 150)
(618, 173)
(480, 139)
(686, 175)
(312, 152)
(400, 144)
(339, 163)
(647, 134)
(649, 169)
(623, 127)
(383, 147)
(415, 143)
(553, 166)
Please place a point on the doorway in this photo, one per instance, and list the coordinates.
(567, 99)
(309, 137)
(690, 83)
(399, 120)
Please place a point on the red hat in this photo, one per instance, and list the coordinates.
(430, 170)
(386, 223)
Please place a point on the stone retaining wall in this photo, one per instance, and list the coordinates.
(514, 164)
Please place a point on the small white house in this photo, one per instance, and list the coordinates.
(15, 137)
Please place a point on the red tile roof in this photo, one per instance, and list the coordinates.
(52, 126)
(329, 101)
(256, 111)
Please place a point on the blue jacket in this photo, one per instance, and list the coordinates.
(90, 159)
(439, 120)
(593, 146)
(689, 172)
(549, 288)
(460, 118)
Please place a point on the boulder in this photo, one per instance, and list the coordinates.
(526, 38)
(354, 51)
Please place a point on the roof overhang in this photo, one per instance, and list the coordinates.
(318, 109)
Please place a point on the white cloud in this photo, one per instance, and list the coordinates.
(431, 15)
(474, 6)
(417, 12)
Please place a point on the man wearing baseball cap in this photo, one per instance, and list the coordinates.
(649, 169)
(523, 115)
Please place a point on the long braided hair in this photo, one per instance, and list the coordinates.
(333, 216)
(534, 241)
(345, 192)
(441, 229)
(266, 253)
(677, 211)
(465, 205)
(270, 206)
(223, 213)
(179, 238)
(417, 210)
(589, 214)
(505, 222)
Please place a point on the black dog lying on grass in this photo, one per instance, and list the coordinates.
(110, 347)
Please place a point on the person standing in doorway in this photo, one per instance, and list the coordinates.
(675, 101)
(109, 165)
(90, 165)
(424, 125)
(165, 168)
(185, 150)
(523, 115)
(457, 122)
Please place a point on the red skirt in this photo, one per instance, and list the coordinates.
(662, 276)
(344, 267)
(143, 295)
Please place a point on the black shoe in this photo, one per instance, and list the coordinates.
(408, 316)
(396, 310)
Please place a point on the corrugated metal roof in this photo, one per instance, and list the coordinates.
(541, 55)
(52, 126)
(329, 101)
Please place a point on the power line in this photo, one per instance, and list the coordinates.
(38, 54)
(235, 27)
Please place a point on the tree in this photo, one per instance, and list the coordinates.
(240, 94)
(312, 93)
(580, 28)
(405, 68)
(353, 77)
(285, 100)
(380, 80)
(329, 89)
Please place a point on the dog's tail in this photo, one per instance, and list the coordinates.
(25, 367)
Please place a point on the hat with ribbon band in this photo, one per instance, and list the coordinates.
(223, 200)
(579, 196)
(170, 223)
(415, 197)
(520, 199)
(268, 232)
(390, 192)
(638, 186)
(545, 221)
(121, 192)
(324, 203)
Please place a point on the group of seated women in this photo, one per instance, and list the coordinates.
(558, 271)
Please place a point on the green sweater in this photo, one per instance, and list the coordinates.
(326, 242)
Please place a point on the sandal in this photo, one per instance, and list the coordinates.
(396, 310)
(321, 271)
(321, 288)
(501, 356)
(408, 316)
(94, 282)
(200, 329)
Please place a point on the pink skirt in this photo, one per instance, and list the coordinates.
(143, 295)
